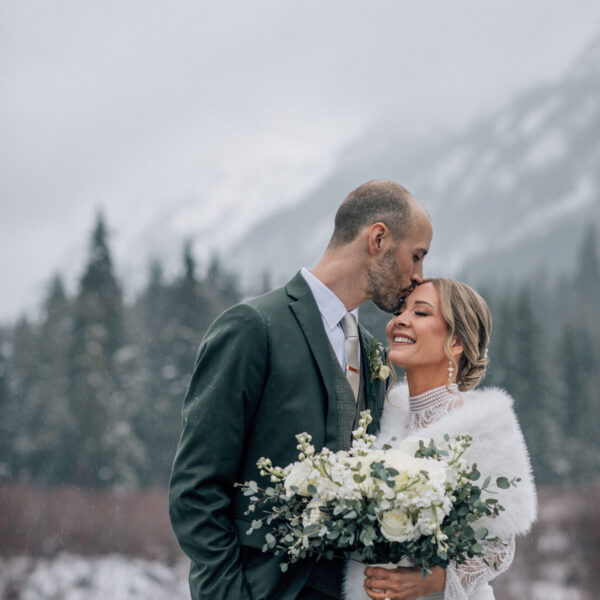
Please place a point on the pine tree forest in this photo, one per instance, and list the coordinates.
(91, 391)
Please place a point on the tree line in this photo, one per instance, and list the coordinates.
(91, 391)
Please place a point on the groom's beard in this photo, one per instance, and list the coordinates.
(385, 285)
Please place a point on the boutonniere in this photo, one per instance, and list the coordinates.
(376, 367)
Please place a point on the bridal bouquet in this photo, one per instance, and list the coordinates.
(380, 505)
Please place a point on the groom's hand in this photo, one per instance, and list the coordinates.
(402, 583)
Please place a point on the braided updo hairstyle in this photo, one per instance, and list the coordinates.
(468, 318)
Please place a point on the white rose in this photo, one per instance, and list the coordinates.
(396, 526)
(301, 475)
(384, 372)
(402, 462)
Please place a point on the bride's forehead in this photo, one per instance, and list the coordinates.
(424, 291)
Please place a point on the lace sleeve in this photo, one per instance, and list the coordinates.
(462, 580)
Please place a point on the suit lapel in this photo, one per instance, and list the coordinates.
(305, 309)
(374, 390)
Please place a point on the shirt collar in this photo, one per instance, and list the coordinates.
(332, 309)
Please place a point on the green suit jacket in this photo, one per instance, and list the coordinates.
(263, 374)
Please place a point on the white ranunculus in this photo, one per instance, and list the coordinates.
(396, 526)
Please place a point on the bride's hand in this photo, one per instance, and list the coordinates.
(402, 583)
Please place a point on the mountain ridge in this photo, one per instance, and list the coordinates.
(513, 191)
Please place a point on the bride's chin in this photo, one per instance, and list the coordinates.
(398, 361)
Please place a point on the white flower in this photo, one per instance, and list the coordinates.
(409, 445)
(361, 466)
(399, 460)
(301, 475)
(384, 372)
(312, 513)
(376, 366)
(452, 477)
(396, 526)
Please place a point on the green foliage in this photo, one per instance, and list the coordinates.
(302, 523)
(92, 391)
(102, 381)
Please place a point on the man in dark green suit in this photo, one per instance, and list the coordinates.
(272, 367)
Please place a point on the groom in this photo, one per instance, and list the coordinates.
(286, 362)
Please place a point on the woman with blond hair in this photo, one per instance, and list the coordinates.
(440, 337)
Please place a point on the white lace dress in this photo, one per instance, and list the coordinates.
(468, 581)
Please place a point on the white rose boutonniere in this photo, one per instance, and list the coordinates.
(376, 367)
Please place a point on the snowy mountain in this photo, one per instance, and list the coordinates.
(509, 197)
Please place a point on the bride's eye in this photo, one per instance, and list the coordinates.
(421, 314)
(398, 312)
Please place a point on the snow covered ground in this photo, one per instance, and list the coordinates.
(118, 577)
(72, 577)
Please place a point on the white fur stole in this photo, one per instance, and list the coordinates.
(498, 448)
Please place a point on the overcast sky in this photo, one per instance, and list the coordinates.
(146, 106)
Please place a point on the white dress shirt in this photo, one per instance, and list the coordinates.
(332, 311)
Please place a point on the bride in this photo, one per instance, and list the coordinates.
(440, 337)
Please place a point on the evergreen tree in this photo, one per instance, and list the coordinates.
(501, 352)
(584, 293)
(160, 392)
(579, 394)
(55, 425)
(587, 279)
(191, 313)
(518, 359)
(7, 409)
(221, 285)
(26, 400)
(101, 447)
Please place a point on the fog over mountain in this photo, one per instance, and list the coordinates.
(508, 197)
(205, 120)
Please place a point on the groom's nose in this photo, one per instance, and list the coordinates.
(417, 276)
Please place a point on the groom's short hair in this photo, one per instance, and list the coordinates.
(378, 200)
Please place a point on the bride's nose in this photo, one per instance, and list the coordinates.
(400, 319)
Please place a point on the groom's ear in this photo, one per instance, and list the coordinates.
(377, 235)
